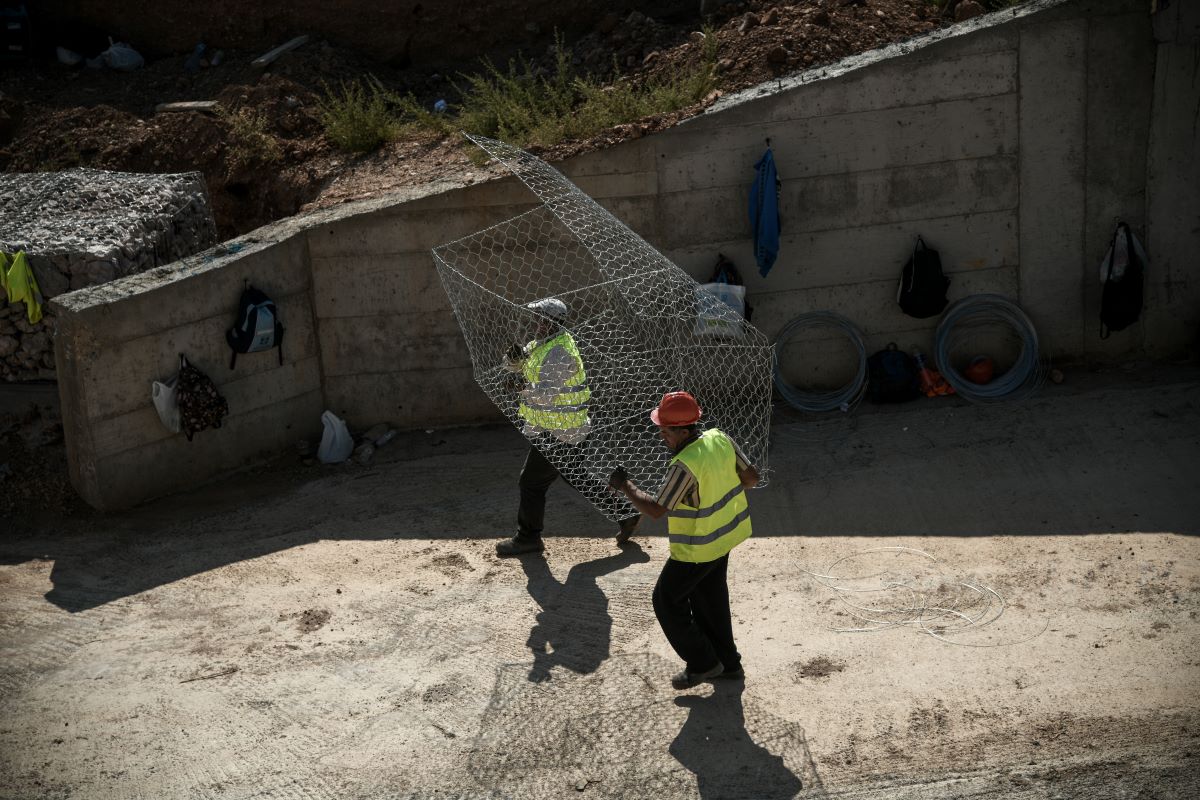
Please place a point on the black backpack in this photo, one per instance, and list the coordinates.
(892, 376)
(257, 326)
(1123, 275)
(200, 404)
(922, 291)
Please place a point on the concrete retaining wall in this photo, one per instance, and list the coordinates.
(1011, 145)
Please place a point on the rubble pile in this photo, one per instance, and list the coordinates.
(85, 227)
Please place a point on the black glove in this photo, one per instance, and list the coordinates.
(619, 478)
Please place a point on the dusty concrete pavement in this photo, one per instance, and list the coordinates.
(348, 633)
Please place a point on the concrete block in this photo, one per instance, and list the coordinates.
(1172, 318)
(832, 202)
(174, 464)
(392, 343)
(1053, 175)
(1121, 58)
(119, 375)
(246, 395)
(841, 143)
(397, 283)
(412, 398)
(895, 83)
(188, 290)
(871, 306)
(858, 255)
(404, 232)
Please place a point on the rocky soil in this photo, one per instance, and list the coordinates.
(265, 155)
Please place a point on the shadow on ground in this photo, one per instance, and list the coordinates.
(1117, 458)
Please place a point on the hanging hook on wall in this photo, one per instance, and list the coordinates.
(768, 142)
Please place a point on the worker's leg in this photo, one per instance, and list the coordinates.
(536, 477)
(673, 607)
(710, 604)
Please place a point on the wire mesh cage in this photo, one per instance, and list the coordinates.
(641, 325)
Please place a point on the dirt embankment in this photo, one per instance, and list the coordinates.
(266, 155)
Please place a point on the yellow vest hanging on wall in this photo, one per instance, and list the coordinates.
(19, 284)
(722, 520)
(565, 409)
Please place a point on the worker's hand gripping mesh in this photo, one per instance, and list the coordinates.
(643, 327)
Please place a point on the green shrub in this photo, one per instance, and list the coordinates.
(358, 116)
(250, 141)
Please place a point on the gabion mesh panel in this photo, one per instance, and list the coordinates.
(642, 325)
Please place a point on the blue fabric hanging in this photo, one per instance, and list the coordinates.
(764, 212)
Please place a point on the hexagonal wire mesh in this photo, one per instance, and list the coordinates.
(642, 326)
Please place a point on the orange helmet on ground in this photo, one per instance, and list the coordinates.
(675, 410)
(980, 370)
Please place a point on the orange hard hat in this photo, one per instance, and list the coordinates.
(676, 409)
(980, 370)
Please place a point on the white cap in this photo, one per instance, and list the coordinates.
(551, 307)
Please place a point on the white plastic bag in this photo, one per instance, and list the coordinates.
(122, 57)
(717, 303)
(167, 403)
(336, 442)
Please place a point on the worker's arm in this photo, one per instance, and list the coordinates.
(641, 501)
(748, 476)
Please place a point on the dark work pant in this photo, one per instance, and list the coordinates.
(536, 477)
(691, 602)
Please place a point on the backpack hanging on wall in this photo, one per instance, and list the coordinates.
(257, 326)
(200, 404)
(922, 291)
(1122, 274)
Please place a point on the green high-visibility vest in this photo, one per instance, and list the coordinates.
(567, 409)
(722, 520)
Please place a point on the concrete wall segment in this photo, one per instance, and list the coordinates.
(1053, 122)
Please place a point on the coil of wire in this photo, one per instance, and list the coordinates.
(843, 398)
(982, 311)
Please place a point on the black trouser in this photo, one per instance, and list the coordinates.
(536, 477)
(691, 602)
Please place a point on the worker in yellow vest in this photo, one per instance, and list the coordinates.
(704, 498)
(553, 406)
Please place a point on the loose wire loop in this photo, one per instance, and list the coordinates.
(940, 608)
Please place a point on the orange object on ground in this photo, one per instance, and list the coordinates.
(981, 370)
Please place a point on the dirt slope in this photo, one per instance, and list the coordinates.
(60, 117)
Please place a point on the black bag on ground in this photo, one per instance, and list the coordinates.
(200, 404)
(1123, 273)
(257, 326)
(892, 376)
(922, 291)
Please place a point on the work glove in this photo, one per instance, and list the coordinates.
(514, 359)
(618, 479)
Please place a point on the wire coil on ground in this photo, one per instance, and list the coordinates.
(843, 398)
(982, 310)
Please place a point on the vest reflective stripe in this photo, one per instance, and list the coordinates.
(708, 512)
(722, 520)
(568, 409)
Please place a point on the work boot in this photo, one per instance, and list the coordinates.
(627, 528)
(735, 674)
(520, 544)
(686, 680)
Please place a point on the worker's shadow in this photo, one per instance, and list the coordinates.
(728, 764)
(573, 628)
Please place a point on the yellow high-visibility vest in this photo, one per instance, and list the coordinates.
(567, 409)
(722, 520)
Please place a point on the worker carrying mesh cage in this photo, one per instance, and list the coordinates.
(577, 327)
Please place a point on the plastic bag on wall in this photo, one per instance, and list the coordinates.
(336, 442)
(714, 301)
(166, 402)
